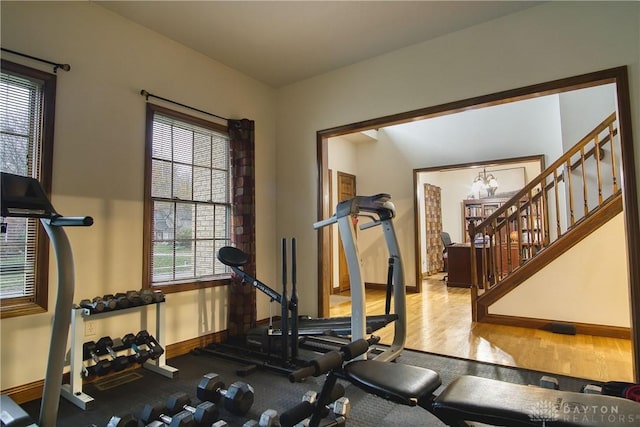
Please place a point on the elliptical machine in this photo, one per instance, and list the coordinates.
(24, 197)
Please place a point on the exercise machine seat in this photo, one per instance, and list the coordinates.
(501, 403)
(399, 383)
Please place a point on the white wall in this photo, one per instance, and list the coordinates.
(579, 113)
(98, 165)
(544, 43)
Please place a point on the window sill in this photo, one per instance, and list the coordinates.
(10, 309)
(170, 288)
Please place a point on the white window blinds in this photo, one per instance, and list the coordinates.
(20, 147)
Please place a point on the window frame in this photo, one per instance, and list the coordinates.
(38, 303)
(147, 273)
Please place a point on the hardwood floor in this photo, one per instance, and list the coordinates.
(439, 321)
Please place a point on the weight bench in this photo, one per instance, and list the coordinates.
(487, 401)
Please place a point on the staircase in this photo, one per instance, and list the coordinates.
(570, 199)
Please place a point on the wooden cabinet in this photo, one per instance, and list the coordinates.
(459, 264)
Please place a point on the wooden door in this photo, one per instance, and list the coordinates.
(346, 190)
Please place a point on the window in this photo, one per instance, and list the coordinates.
(187, 202)
(27, 100)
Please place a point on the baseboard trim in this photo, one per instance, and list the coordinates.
(373, 285)
(33, 390)
(545, 324)
(383, 286)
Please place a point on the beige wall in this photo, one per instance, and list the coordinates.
(99, 161)
(544, 43)
(596, 295)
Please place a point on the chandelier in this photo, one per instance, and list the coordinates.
(485, 182)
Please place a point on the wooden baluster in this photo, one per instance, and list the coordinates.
(497, 248)
(614, 170)
(545, 223)
(507, 227)
(557, 204)
(596, 142)
(584, 184)
(487, 256)
(474, 261)
(532, 230)
(567, 170)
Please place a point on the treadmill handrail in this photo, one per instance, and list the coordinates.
(72, 221)
(323, 223)
(378, 204)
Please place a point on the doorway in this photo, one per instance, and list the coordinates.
(616, 76)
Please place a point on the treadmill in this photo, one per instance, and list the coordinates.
(380, 211)
(22, 196)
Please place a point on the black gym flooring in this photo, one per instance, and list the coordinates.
(274, 391)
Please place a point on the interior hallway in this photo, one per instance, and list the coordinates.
(439, 321)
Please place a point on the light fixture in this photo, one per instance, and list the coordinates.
(485, 182)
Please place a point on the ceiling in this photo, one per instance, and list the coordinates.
(281, 42)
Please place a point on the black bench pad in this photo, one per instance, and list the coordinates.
(506, 404)
(404, 384)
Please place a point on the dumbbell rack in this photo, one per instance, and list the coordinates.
(73, 391)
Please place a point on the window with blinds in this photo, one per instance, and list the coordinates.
(190, 210)
(26, 117)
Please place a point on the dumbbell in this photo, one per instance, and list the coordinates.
(155, 350)
(134, 298)
(105, 346)
(102, 366)
(340, 406)
(139, 355)
(205, 414)
(591, 389)
(146, 295)
(110, 302)
(268, 418)
(95, 306)
(547, 381)
(149, 296)
(300, 414)
(127, 420)
(237, 399)
(116, 303)
(153, 416)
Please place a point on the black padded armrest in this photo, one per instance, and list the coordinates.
(506, 404)
(399, 383)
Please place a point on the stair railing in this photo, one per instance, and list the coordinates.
(574, 187)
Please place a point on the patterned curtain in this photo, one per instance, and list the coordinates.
(242, 299)
(433, 222)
